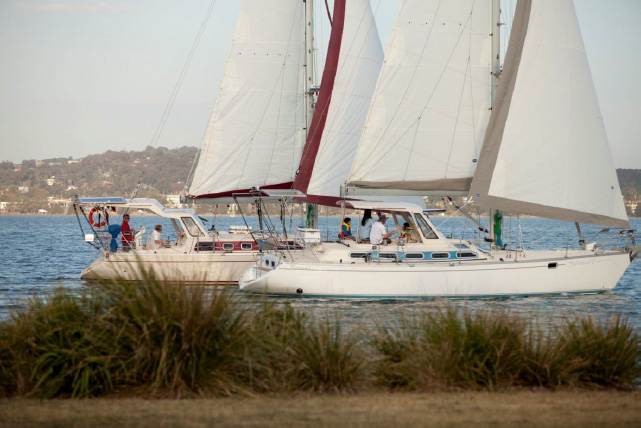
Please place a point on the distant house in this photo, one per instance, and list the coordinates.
(70, 161)
(173, 201)
(58, 201)
(23, 189)
(50, 181)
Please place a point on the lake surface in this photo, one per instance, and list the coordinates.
(39, 253)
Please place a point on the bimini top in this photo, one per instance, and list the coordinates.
(140, 204)
(383, 206)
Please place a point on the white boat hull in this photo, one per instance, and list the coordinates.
(196, 268)
(466, 279)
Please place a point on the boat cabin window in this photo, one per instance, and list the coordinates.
(440, 255)
(191, 226)
(387, 257)
(205, 246)
(228, 246)
(357, 255)
(245, 246)
(425, 228)
(467, 255)
(414, 256)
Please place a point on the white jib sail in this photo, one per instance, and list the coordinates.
(360, 59)
(431, 106)
(546, 151)
(257, 128)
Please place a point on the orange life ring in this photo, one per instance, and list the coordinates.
(100, 211)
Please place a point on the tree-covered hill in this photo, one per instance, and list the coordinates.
(47, 183)
(630, 182)
(33, 184)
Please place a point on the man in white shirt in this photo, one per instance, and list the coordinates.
(155, 241)
(378, 234)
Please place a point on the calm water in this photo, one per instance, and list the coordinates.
(40, 253)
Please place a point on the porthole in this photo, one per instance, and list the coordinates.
(245, 246)
(228, 246)
(440, 255)
(414, 256)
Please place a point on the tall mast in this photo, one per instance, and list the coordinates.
(496, 46)
(309, 62)
(495, 219)
(312, 209)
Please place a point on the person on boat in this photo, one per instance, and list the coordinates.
(127, 234)
(379, 235)
(366, 226)
(406, 232)
(346, 229)
(155, 241)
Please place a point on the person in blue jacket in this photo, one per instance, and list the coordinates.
(346, 229)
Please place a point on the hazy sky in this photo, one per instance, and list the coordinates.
(81, 77)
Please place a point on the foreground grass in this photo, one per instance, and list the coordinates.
(160, 340)
(561, 408)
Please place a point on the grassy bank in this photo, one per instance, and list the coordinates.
(157, 340)
(522, 408)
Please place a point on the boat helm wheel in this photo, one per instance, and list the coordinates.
(103, 216)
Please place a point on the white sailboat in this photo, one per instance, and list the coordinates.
(255, 136)
(542, 151)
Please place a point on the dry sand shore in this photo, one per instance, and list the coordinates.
(564, 408)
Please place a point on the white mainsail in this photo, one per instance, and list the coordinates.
(257, 129)
(359, 63)
(431, 106)
(546, 151)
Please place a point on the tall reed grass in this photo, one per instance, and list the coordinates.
(157, 338)
(153, 338)
(449, 349)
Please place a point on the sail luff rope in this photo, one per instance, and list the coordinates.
(329, 15)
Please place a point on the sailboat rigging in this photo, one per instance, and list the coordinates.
(540, 150)
(255, 136)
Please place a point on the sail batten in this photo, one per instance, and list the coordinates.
(546, 152)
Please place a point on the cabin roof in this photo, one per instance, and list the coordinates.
(383, 206)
